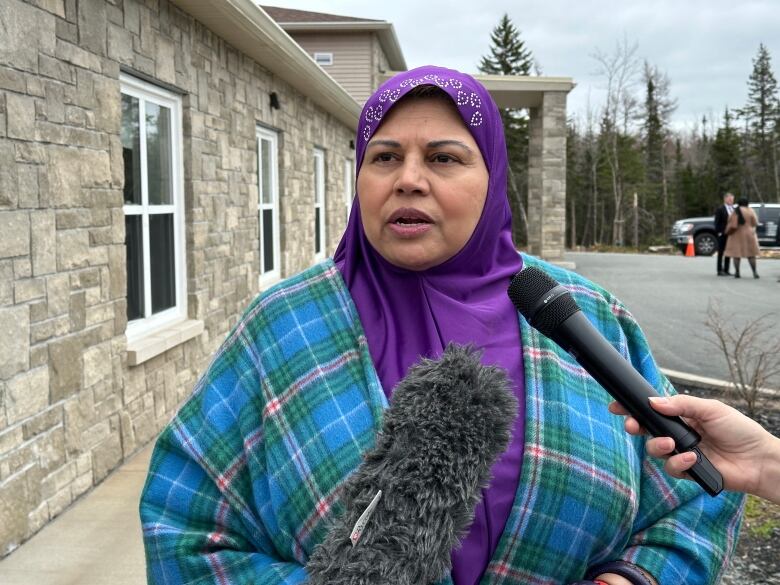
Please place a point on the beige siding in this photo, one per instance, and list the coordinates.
(353, 66)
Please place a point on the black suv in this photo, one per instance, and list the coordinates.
(705, 241)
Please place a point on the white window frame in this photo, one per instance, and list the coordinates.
(268, 276)
(349, 185)
(147, 92)
(319, 201)
(323, 59)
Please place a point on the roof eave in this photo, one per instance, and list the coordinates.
(517, 91)
(249, 29)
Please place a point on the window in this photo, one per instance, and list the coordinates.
(767, 213)
(768, 220)
(319, 203)
(268, 203)
(323, 59)
(153, 206)
(349, 185)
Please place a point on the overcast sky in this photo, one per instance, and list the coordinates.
(705, 47)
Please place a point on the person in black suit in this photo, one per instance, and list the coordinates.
(722, 214)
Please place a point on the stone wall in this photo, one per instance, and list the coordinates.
(71, 408)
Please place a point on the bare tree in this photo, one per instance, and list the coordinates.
(752, 352)
(520, 206)
(590, 145)
(620, 71)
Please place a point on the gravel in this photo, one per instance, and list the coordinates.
(757, 558)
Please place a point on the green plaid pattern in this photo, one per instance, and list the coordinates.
(244, 480)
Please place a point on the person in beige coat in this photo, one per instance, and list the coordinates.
(742, 242)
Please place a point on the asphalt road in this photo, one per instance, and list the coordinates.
(669, 296)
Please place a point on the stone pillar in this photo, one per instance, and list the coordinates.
(547, 177)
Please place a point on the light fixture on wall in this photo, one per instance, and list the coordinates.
(274, 101)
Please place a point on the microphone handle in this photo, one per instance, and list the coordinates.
(618, 377)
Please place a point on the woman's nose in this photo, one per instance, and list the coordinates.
(411, 178)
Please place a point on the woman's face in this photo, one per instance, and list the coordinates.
(422, 184)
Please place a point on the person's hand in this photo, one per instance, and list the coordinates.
(746, 455)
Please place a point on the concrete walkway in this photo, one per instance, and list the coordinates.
(96, 541)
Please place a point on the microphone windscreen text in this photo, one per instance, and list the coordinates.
(448, 421)
(549, 307)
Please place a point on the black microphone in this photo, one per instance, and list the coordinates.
(549, 307)
(413, 496)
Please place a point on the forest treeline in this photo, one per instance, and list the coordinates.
(630, 174)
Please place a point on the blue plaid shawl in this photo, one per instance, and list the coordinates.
(244, 480)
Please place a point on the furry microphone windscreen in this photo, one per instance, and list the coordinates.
(448, 421)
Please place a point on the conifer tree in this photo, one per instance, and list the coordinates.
(653, 148)
(509, 56)
(658, 107)
(675, 204)
(508, 53)
(761, 113)
(726, 156)
(762, 105)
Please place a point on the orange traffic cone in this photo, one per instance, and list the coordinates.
(689, 251)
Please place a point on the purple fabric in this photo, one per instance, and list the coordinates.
(408, 314)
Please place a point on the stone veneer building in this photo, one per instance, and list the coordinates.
(130, 134)
(161, 162)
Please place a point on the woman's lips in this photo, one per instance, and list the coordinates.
(409, 215)
(408, 222)
(409, 230)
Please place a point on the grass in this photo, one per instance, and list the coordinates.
(762, 518)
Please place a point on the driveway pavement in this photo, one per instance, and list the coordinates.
(669, 296)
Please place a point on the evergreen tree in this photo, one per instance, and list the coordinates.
(508, 53)
(761, 113)
(705, 188)
(676, 191)
(762, 105)
(658, 107)
(653, 150)
(726, 157)
(689, 190)
(653, 135)
(509, 56)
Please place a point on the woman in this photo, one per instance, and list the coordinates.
(244, 481)
(742, 241)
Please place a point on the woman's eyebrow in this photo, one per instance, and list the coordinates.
(386, 143)
(439, 143)
(431, 144)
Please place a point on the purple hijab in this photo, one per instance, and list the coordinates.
(407, 314)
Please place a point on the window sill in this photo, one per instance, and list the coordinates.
(148, 346)
(266, 282)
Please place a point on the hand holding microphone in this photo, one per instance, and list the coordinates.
(447, 423)
(549, 307)
(746, 454)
